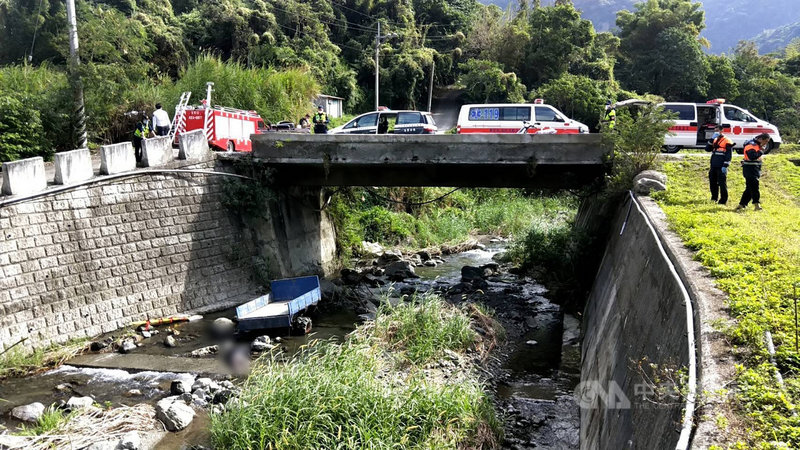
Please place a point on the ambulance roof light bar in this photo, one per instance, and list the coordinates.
(717, 101)
(538, 101)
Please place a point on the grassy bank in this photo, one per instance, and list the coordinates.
(370, 391)
(396, 217)
(18, 361)
(755, 258)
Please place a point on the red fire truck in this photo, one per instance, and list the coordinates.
(226, 128)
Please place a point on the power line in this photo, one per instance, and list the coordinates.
(318, 19)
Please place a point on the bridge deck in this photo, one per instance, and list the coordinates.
(560, 161)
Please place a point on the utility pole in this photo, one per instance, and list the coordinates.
(430, 88)
(79, 113)
(378, 39)
(377, 65)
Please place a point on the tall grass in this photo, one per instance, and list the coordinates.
(19, 361)
(352, 396)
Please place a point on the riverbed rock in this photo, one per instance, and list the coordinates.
(222, 396)
(174, 413)
(170, 342)
(429, 263)
(572, 330)
(76, 403)
(262, 344)
(532, 342)
(388, 257)
(205, 351)
(96, 346)
(424, 255)
(178, 387)
(28, 413)
(130, 441)
(127, 345)
(471, 273)
(222, 326)
(372, 281)
(415, 259)
(133, 393)
(350, 277)
(400, 270)
(371, 249)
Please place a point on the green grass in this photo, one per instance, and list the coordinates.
(19, 361)
(359, 215)
(353, 395)
(755, 258)
(50, 421)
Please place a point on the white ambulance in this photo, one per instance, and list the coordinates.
(695, 125)
(497, 118)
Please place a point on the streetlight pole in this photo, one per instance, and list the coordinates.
(79, 113)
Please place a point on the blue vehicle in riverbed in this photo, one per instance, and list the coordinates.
(282, 307)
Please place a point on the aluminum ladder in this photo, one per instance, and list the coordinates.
(179, 120)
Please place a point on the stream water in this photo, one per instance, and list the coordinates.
(534, 372)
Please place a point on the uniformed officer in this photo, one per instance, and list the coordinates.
(751, 170)
(721, 148)
(141, 132)
(610, 117)
(320, 121)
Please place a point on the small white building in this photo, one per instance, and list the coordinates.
(333, 106)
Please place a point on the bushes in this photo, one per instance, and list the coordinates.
(21, 132)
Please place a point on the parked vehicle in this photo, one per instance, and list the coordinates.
(389, 122)
(225, 128)
(696, 121)
(281, 308)
(496, 118)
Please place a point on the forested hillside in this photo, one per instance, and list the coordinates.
(727, 21)
(274, 56)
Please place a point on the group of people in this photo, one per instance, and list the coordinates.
(721, 148)
(320, 121)
(160, 126)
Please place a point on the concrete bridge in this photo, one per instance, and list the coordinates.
(553, 161)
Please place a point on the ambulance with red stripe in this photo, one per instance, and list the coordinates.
(695, 125)
(500, 118)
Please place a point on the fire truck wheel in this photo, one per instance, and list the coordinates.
(231, 146)
(670, 149)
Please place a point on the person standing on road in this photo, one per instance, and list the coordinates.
(751, 170)
(161, 121)
(610, 117)
(320, 121)
(721, 149)
(141, 132)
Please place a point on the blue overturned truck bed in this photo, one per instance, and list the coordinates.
(289, 297)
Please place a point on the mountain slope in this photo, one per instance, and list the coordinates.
(727, 21)
(778, 38)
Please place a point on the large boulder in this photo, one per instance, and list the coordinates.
(400, 270)
(371, 249)
(471, 273)
(130, 441)
(174, 413)
(389, 256)
(28, 413)
(350, 276)
(76, 403)
(648, 181)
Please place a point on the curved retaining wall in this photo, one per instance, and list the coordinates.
(636, 315)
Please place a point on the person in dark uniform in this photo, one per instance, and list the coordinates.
(320, 122)
(141, 132)
(751, 170)
(721, 148)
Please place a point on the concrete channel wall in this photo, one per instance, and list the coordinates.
(96, 256)
(635, 317)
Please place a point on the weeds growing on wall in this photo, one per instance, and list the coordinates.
(355, 395)
(755, 258)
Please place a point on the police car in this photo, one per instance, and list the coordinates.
(496, 118)
(389, 122)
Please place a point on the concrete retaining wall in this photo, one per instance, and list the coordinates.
(635, 316)
(72, 167)
(117, 158)
(156, 151)
(24, 176)
(193, 146)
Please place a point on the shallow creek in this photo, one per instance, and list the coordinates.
(533, 374)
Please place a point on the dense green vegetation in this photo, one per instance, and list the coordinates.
(755, 257)
(275, 56)
(357, 394)
(392, 216)
(19, 361)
